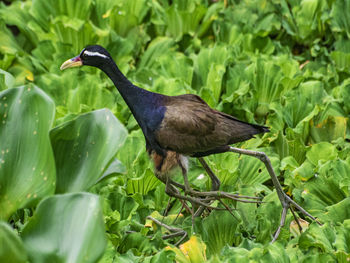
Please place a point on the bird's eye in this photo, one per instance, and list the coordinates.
(84, 55)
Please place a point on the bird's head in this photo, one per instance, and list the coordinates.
(91, 55)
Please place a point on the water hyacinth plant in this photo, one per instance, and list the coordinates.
(73, 166)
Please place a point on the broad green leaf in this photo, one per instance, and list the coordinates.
(319, 193)
(266, 79)
(101, 12)
(76, 32)
(66, 228)
(255, 252)
(178, 66)
(343, 237)
(340, 17)
(339, 212)
(83, 148)
(133, 154)
(296, 145)
(318, 237)
(115, 167)
(305, 171)
(155, 49)
(183, 17)
(214, 80)
(135, 241)
(218, 230)
(252, 171)
(330, 129)
(126, 15)
(309, 18)
(17, 15)
(27, 168)
(281, 145)
(339, 171)
(297, 108)
(267, 218)
(11, 246)
(321, 152)
(345, 94)
(341, 60)
(45, 10)
(8, 43)
(7, 80)
(236, 85)
(209, 60)
(147, 182)
(225, 167)
(124, 204)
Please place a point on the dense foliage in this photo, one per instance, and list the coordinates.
(284, 64)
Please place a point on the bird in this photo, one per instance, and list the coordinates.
(178, 127)
(174, 127)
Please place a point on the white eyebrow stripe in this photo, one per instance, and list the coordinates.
(92, 54)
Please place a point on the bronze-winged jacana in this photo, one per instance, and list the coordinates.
(178, 126)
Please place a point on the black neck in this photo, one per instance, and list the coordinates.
(136, 98)
(118, 78)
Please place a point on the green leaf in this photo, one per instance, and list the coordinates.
(133, 154)
(214, 80)
(253, 252)
(147, 182)
(321, 152)
(27, 168)
(17, 15)
(115, 167)
(339, 212)
(319, 193)
(266, 79)
(297, 108)
(66, 228)
(8, 80)
(126, 15)
(11, 248)
(318, 237)
(158, 47)
(183, 17)
(252, 171)
(83, 148)
(43, 11)
(8, 43)
(341, 60)
(330, 129)
(218, 230)
(209, 60)
(340, 17)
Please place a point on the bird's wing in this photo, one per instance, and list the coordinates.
(189, 125)
(188, 114)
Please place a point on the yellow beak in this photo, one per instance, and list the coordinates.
(70, 63)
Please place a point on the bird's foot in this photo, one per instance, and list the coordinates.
(285, 200)
(288, 203)
(218, 195)
(174, 231)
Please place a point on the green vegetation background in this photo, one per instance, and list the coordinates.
(284, 64)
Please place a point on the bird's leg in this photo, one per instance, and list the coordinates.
(215, 182)
(167, 207)
(188, 188)
(286, 201)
